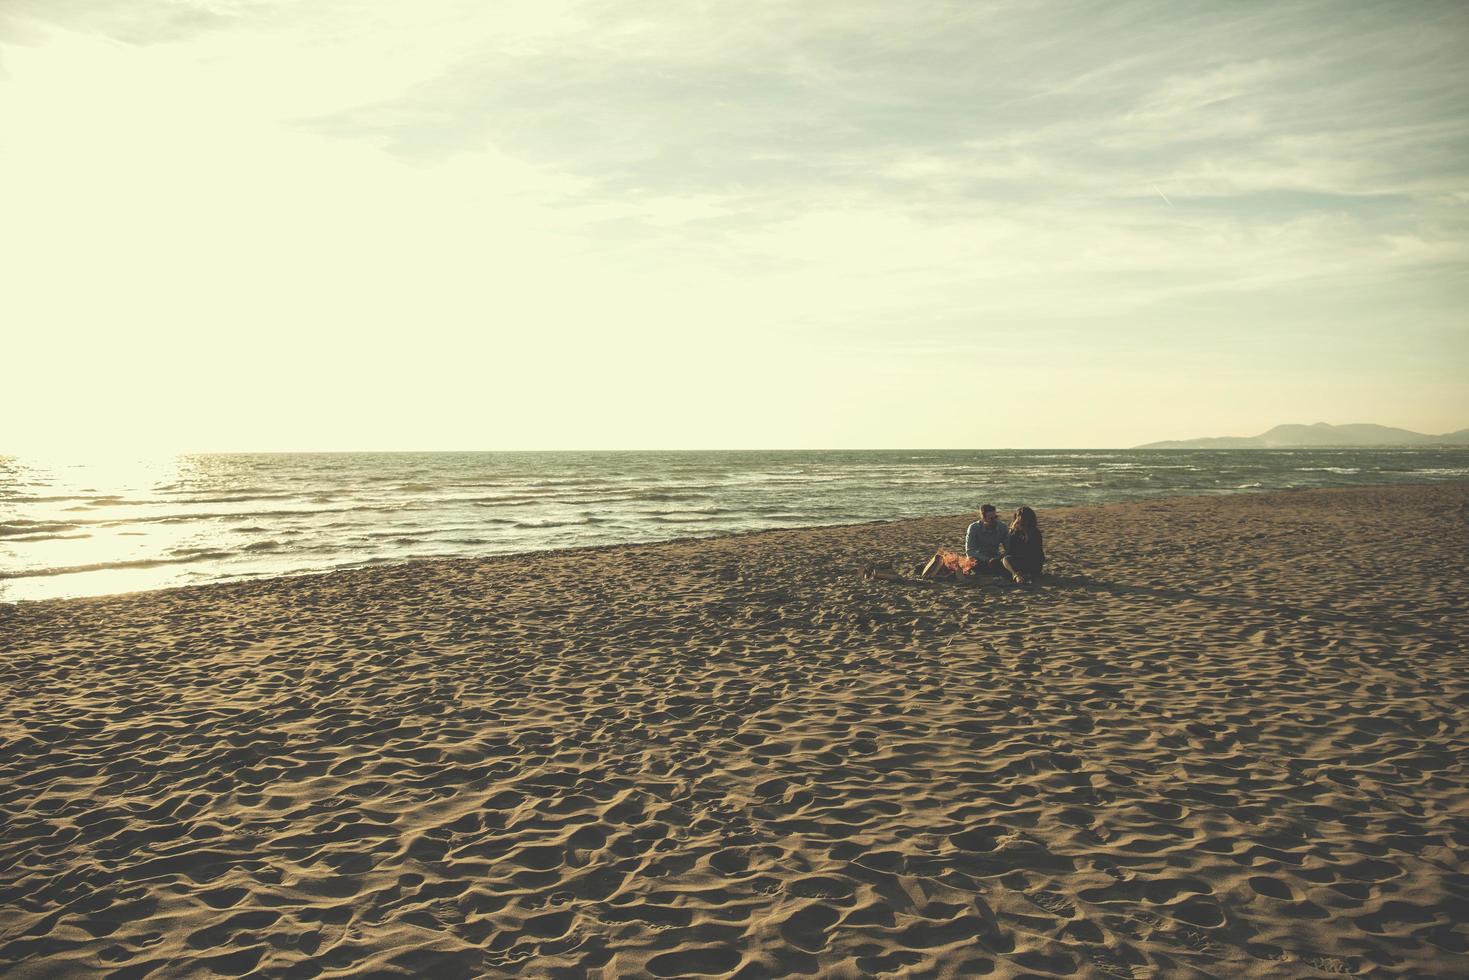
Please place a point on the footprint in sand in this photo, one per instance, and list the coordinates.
(896, 961)
(1272, 888)
(1109, 963)
(1194, 940)
(1331, 964)
(1052, 903)
(806, 929)
(698, 962)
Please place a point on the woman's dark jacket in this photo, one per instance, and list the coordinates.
(1025, 551)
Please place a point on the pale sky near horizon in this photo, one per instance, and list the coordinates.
(542, 224)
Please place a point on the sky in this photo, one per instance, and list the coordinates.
(261, 225)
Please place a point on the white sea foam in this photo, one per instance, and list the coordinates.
(90, 529)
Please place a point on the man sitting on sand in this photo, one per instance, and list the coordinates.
(984, 540)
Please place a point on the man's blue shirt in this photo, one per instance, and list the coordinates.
(984, 542)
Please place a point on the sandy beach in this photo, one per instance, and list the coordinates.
(1227, 736)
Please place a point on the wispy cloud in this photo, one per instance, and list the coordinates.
(955, 110)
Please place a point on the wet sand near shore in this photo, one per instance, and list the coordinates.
(1227, 736)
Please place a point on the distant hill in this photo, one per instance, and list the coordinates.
(1321, 436)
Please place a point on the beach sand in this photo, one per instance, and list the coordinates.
(1228, 737)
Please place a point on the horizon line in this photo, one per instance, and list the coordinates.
(1152, 447)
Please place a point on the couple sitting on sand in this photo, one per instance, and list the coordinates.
(992, 548)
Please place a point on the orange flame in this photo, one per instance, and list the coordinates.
(960, 564)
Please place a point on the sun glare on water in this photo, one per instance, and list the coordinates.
(77, 512)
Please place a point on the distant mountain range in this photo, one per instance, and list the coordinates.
(1320, 436)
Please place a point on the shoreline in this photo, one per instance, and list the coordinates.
(1221, 739)
(957, 518)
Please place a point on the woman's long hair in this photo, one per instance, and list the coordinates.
(1023, 525)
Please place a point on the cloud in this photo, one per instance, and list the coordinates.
(961, 110)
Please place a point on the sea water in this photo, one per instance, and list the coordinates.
(73, 528)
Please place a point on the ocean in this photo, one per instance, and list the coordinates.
(130, 524)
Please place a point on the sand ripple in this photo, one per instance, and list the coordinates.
(1224, 740)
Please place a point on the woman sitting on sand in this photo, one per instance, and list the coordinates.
(1024, 554)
